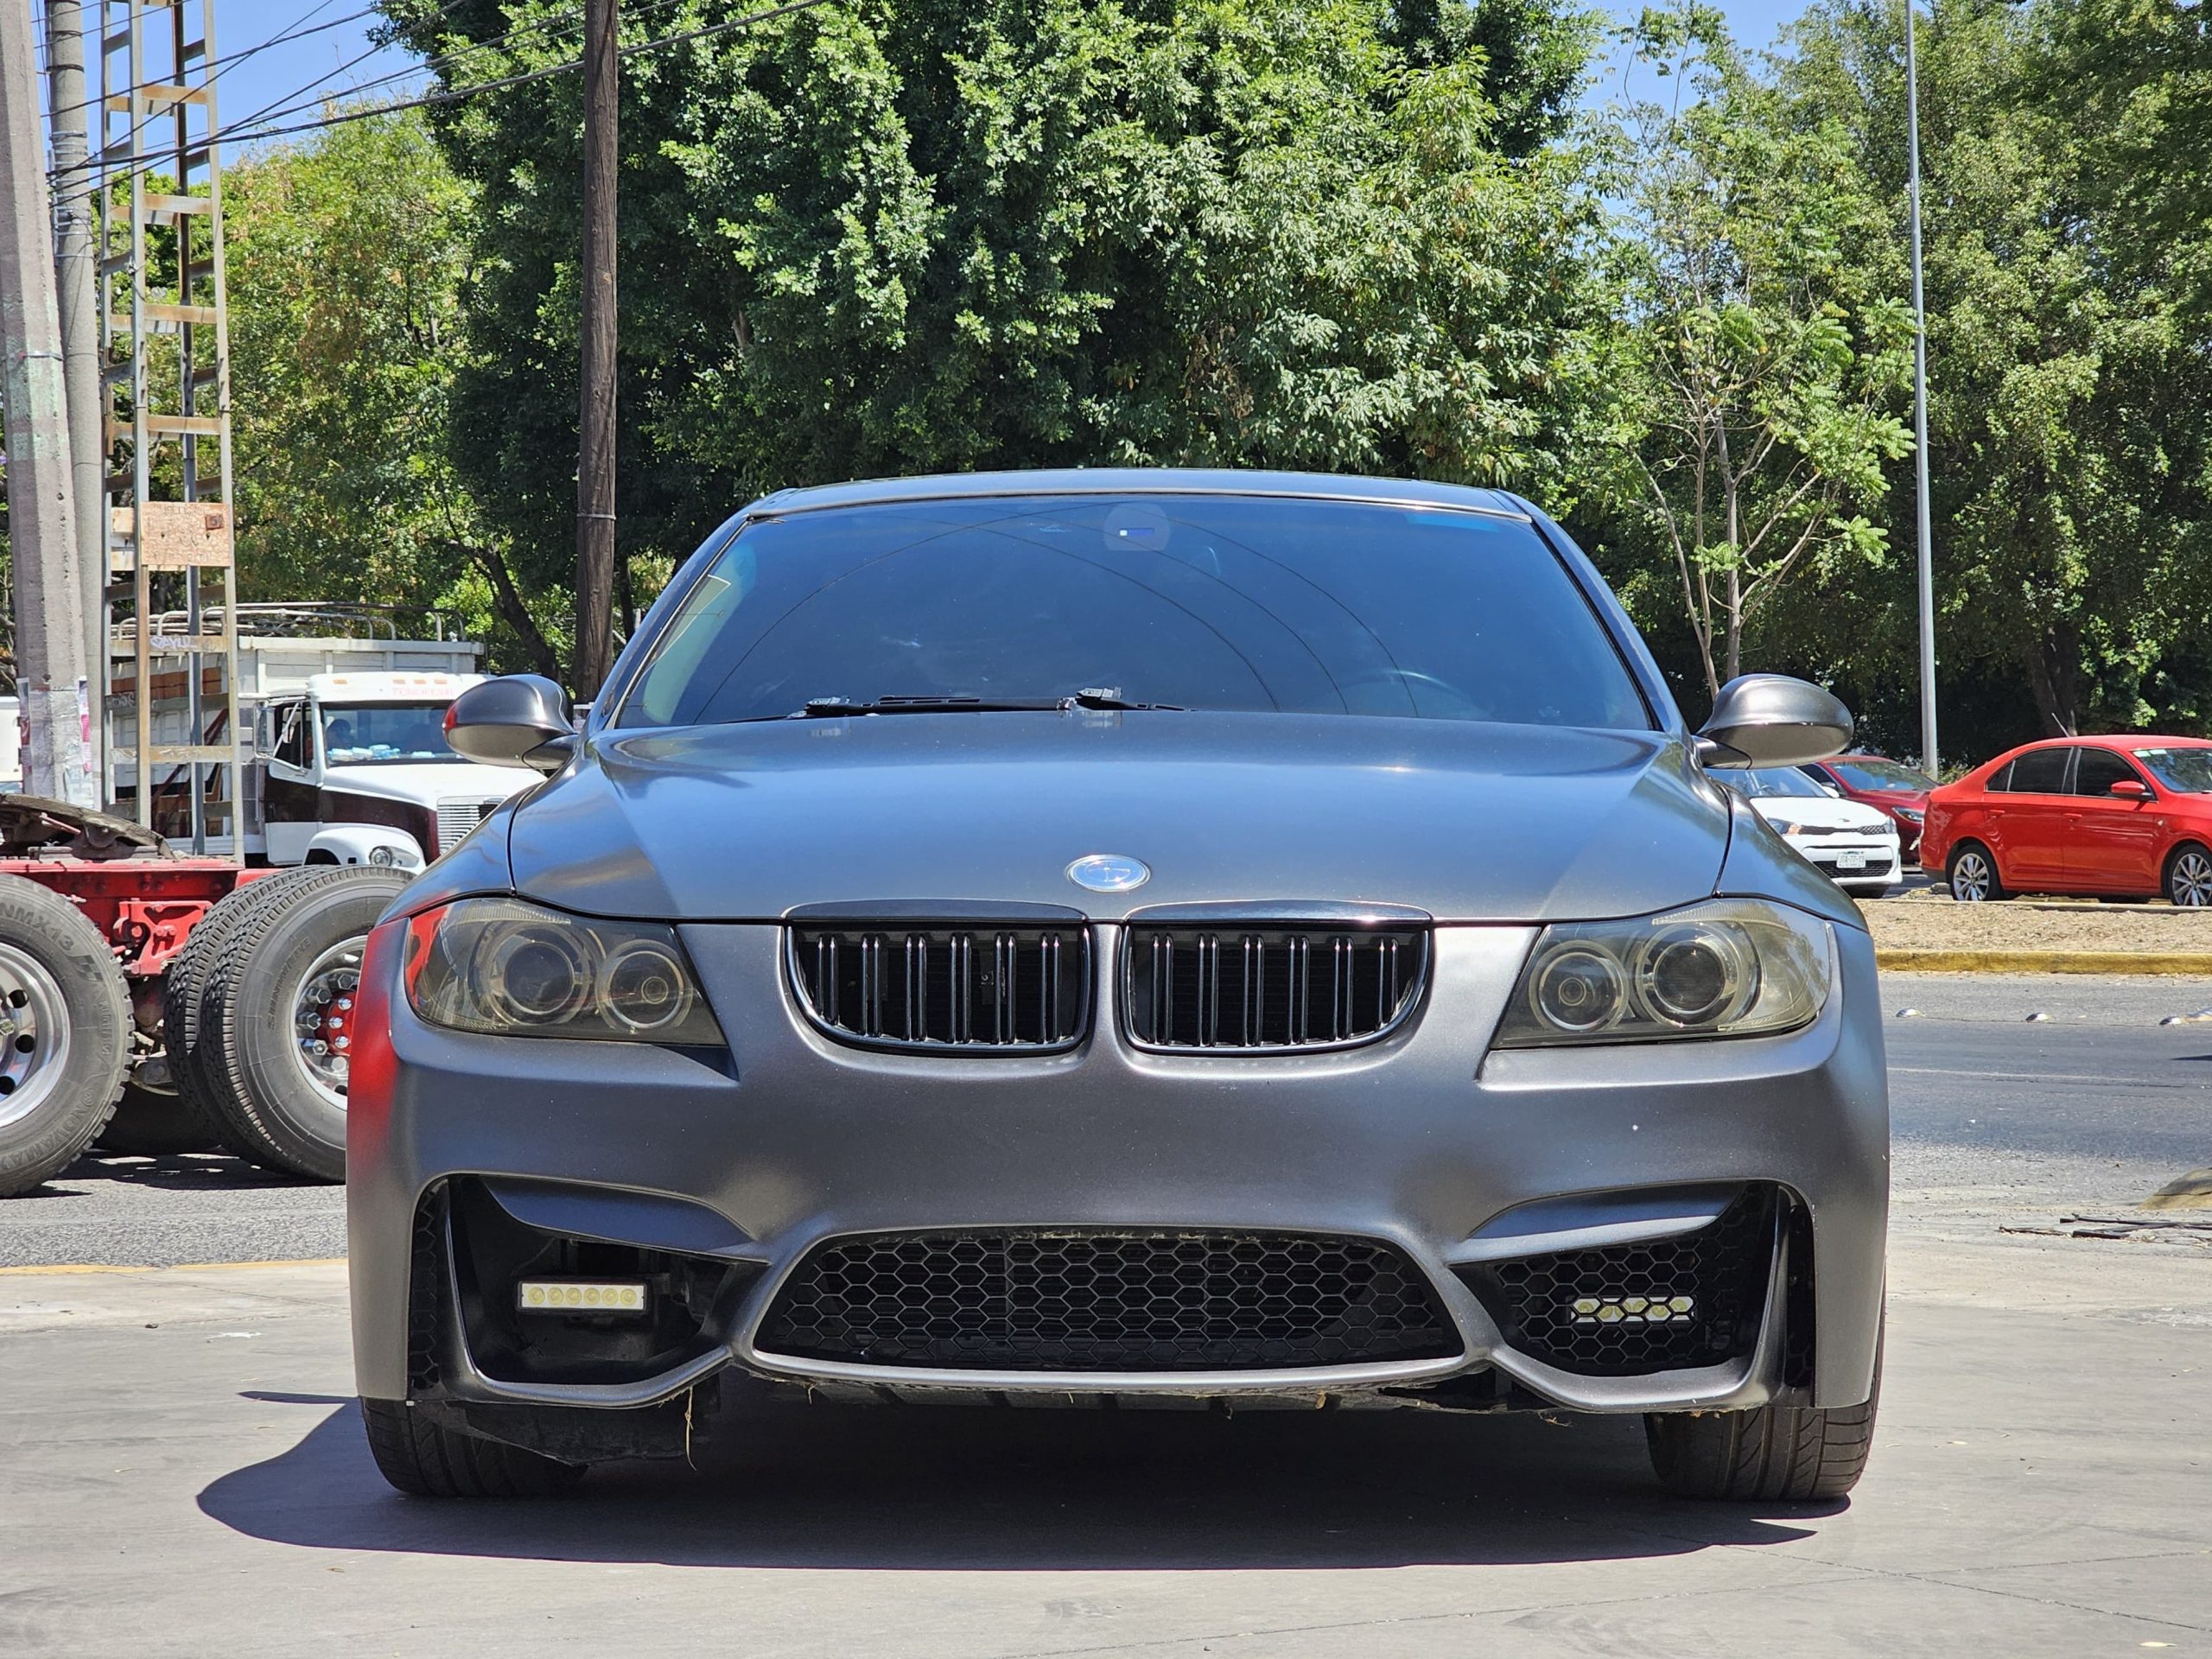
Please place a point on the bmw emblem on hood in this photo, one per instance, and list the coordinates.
(1108, 873)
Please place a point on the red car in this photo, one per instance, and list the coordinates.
(1895, 788)
(2124, 816)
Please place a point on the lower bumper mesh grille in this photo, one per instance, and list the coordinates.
(1104, 1302)
(1629, 1309)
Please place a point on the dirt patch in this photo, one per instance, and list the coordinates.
(1932, 920)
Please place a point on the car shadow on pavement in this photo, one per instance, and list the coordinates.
(938, 1487)
(193, 1171)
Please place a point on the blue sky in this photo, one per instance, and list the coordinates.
(334, 61)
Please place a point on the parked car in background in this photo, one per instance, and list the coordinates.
(1889, 785)
(1854, 844)
(2124, 817)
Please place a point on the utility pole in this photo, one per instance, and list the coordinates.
(595, 451)
(1928, 761)
(50, 663)
(77, 288)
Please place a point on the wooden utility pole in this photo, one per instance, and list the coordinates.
(50, 665)
(595, 451)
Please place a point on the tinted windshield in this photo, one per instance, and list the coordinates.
(1777, 780)
(1218, 602)
(365, 733)
(2186, 772)
(1885, 776)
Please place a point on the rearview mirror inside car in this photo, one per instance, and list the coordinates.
(521, 720)
(1771, 720)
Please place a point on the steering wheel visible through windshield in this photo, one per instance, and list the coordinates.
(1199, 602)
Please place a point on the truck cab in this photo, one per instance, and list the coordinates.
(353, 768)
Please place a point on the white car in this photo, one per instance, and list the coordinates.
(1854, 844)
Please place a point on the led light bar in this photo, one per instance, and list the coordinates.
(580, 1296)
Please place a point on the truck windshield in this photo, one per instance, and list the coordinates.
(374, 733)
(1254, 603)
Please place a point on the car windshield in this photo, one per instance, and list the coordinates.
(1885, 777)
(359, 734)
(2185, 772)
(1193, 601)
(1760, 781)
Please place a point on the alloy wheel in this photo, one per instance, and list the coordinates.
(1970, 878)
(2190, 884)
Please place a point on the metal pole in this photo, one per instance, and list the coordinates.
(42, 516)
(76, 273)
(1928, 751)
(595, 454)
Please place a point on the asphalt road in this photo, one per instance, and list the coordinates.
(1997, 1119)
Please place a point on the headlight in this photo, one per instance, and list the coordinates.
(1726, 968)
(384, 857)
(499, 966)
(1911, 815)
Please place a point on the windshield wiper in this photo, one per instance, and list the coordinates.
(1108, 698)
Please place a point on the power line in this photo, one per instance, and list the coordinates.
(454, 95)
(218, 66)
(301, 98)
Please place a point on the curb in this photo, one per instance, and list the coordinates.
(2192, 964)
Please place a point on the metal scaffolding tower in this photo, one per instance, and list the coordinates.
(167, 379)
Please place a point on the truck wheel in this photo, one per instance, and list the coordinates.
(1791, 1454)
(150, 1124)
(65, 1034)
(427, 1460)
(275, 1018)
(184, 990)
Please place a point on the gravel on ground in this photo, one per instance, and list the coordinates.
(1929, 919)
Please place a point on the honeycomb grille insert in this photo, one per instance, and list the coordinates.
(1630, 1309)
(1107, 1302)
(949, 989)
(1272, 989)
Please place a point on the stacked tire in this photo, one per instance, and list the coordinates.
(256, 1012)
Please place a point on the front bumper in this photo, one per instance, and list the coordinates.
(1426, 1142)
(1854, 861)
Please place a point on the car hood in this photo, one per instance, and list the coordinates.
(1467, 822)
(428, 784)
(1820, 815)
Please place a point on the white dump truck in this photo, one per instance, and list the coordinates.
(346, 760)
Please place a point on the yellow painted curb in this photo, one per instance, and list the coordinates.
(2194, 964)
(2191, 1191)
(51, 1268)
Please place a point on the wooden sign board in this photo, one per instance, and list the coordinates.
(180, 535)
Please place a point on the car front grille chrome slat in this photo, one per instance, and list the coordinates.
(1268, 989)
(944, 988)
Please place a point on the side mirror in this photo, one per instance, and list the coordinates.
(521, 720)
(2130, 789)
(1771, 720)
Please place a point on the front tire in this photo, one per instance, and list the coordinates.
(65, 1035)
(1777, 1454)
(2189, 877)
(424, 1459)
(1974, 874)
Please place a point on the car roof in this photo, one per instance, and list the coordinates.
(2115, 739)
(1141, 481)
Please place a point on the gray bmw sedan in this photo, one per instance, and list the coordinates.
(1255, 940)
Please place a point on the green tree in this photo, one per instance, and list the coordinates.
(1763, 362)
(877, 237)
(2068, 447)
(347, 256)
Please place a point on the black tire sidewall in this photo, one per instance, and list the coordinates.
(304, 1131)
(49, 930)
(1989, 862)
